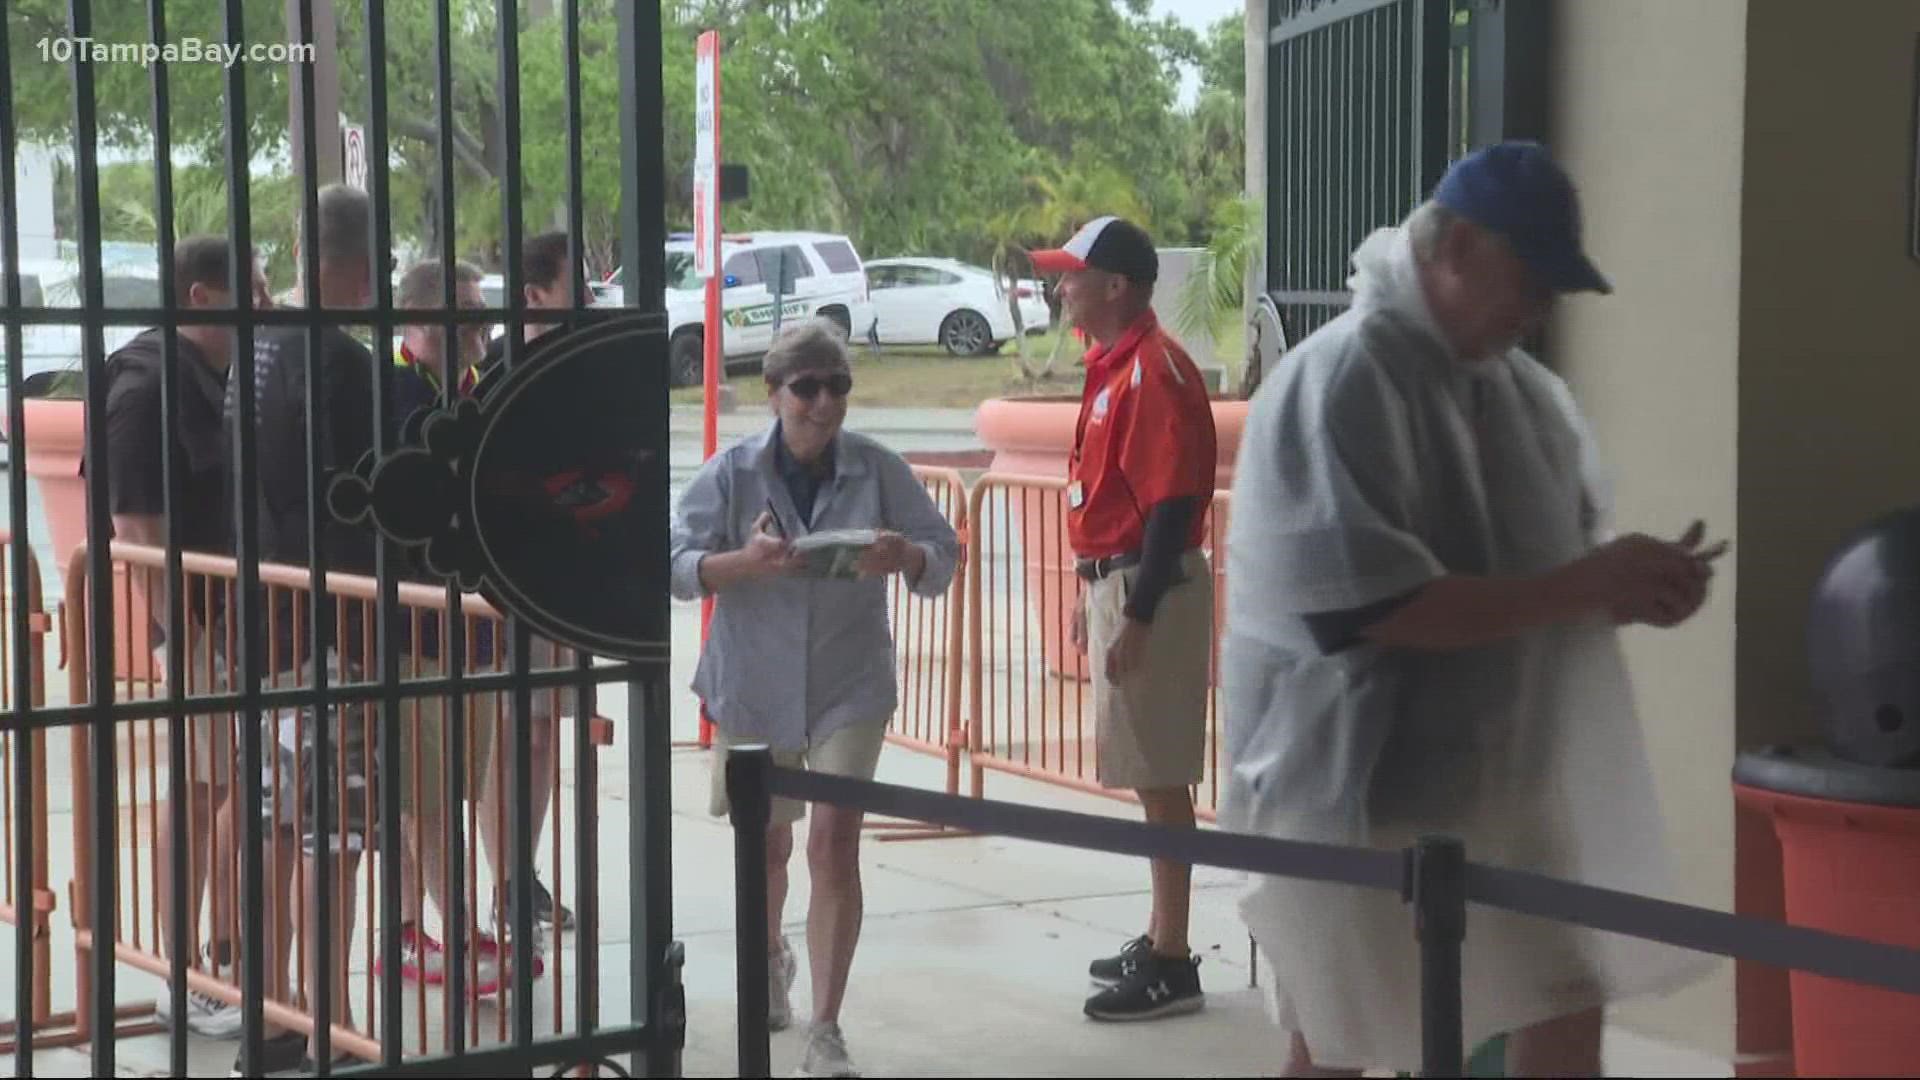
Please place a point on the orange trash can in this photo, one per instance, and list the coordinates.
(1850, 858)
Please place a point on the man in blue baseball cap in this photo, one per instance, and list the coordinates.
(1422, 636)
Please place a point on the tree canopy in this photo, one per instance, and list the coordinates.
(947, 127)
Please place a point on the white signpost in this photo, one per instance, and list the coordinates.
(353, 155)
(706, 156)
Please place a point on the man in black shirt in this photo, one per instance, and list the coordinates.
(139, 438)
(343, 372)
(548, 286)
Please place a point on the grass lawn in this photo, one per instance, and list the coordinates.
(927, 378)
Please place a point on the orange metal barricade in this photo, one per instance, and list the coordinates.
(141, 787)
(33, 899)
(929, 660)
(1030, 699)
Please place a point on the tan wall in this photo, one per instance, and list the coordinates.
(1647, 116)
(1830, 312)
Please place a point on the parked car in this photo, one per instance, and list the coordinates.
(823, 272)
(954, 304)
(49, 348)
(493, 289)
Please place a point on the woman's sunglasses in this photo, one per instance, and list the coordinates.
(807, 387)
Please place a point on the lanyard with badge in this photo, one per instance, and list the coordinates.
(1076, 492)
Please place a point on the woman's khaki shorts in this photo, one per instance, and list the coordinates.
(1152, 725)
(851, 751)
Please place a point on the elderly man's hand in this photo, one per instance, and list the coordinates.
(1643, 580)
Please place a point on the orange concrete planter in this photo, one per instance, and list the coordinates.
(1033, 436)
(55, 442)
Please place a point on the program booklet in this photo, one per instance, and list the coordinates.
(834, 553)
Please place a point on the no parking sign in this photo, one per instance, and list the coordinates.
(353, 157)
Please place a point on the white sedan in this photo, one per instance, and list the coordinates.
(950, 303)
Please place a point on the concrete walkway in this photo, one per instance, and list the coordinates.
(972, 962)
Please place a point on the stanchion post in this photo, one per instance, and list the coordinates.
(750, 808)
(1438, 885)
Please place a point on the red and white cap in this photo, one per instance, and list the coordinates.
(1109, 243)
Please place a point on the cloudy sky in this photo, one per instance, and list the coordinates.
(1198, 14)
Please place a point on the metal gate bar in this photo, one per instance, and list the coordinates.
(94, 721)
(1357, 120)
(18, 552)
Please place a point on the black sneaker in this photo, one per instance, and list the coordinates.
(1158, 986)
(544, 909)
(1110, 970)
(278, 1054)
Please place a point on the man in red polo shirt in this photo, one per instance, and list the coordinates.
(1141, 479)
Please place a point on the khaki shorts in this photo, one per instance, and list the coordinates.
(1152, 725)
(851, 751)
(424, 742)
(490, 734)
(210, 745)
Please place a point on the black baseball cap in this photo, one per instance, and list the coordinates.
(1107, 243)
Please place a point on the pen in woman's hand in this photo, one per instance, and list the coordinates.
(773, 516)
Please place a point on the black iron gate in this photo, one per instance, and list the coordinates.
(1368, 100)
(458, 502)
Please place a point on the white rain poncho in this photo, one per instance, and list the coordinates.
(1373, 462)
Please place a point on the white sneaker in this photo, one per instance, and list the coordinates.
(212, 1017)
(826, 1053)
(206, 1016)
(781, 969)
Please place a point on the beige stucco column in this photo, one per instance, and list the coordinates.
(1745, 166)
(1656, 367)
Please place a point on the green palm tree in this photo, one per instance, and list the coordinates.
(1215, 291)
(1059, 203)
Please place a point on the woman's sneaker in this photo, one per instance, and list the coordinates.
(826, 1053)
(1157, 986)
(208, 1016)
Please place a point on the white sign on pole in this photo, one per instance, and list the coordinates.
(353, 156)
(706, 167)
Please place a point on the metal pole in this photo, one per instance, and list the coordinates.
(713, 340)
(1437, 882)
(325, 107)
(750, 808)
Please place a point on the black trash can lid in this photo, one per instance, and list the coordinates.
(1815, 772)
